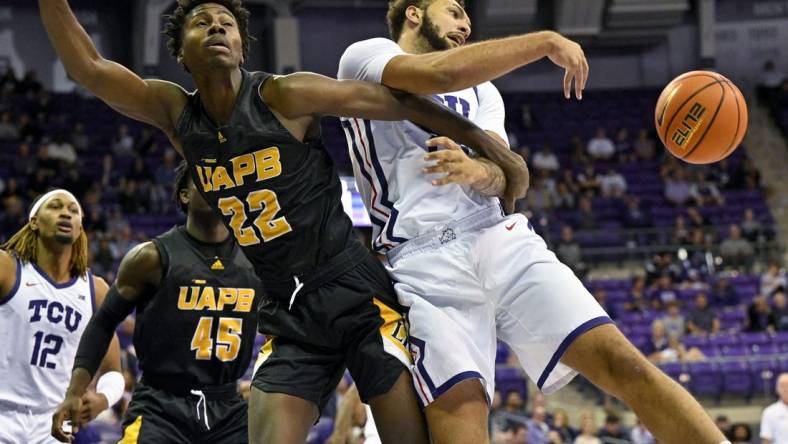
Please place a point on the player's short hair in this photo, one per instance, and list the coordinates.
(24, 245)
(182, 179)
(396, 14)
(174, 27)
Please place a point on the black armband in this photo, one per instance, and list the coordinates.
(98, 334)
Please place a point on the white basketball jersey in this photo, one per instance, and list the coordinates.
(41, 323)
(388, 157)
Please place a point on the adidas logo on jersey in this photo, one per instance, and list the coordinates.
(221, 137)
(218, 265)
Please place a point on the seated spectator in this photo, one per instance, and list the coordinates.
(514, 403)
(570, 253)
(634, 215)
(600, 147)
(735, 251)
(702, 319)
(561, 427)
(122, 142)
(588, 180)
(538, 429)
(703, 192)
(638, 302)
(725, 294)
(658, 340)
(612, 184)
(612, 432)
(695, 218)
(724, 424)
(641, 435)
(587, 432)
(79, 138)
(676, 352)
(759, 316)
(8, 130)
(780, 311)
(568, 178)
(585, 218)
(677, 188)
(681, 233)
(752, 178)
(521, 435)
(541, 198)
(674, 322)
(751, 229)
(624, 148)
(773, 279)
(694, 281)
(564, 197)
(545, 159)
(741, 434)
(662, 292)
(644, 146)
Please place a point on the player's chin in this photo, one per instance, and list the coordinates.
(64, 238)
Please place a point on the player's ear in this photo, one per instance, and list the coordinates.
(34, 224)
(414, 14)
(184, 197)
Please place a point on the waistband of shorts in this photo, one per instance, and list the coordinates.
(443, 234)
(182, 389)
(282, 290)
(28, 410)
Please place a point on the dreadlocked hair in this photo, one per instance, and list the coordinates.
(182, 180)
(174, 27)
(24, 244)
(396, 14)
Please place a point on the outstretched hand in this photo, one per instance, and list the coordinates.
(570, 56)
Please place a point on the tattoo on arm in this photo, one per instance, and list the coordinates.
(494, 183)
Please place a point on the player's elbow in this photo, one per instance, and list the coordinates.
(86, 74)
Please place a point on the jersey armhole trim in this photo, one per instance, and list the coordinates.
(18, 281)
(164, 257)
(92, 291)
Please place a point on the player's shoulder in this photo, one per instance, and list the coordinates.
(142, 257)
(368, 48)
(487, 88)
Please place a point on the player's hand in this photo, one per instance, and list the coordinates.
(518, 178)
(453, 161)
(570, 56)
(67, 410)
(92, 404)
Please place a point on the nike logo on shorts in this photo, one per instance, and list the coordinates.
(509, 228)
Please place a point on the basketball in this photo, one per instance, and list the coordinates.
(701, 117)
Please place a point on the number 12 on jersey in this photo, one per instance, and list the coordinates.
(228, 339)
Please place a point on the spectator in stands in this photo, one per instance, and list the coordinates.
(570, 253)
(79, 138)
(663, 291)
(624, 148)
(644, 146)
(587, 432)
(541, 197)
(681, 233)
(759, 316)
(561, 427)
(774, 427)
(677, 188)
(613, 432)
(673, 320)
(521, 433)
(703, 192)
(751, 229)
(538, 429)
(8, 130)
(95, 222)
(702, 319)
(502, 435)
(122, 142)
(693, 281)
(568, 178)
(24, 163)
(725, 294)
(640, 434)
(676, 352)
(658, 340)
(545, 159)
(638, 302)
(514, 403)
(579, 155)
(635, 216)
(601, 296)
(165, 172)
(752, 178)
(741, 434)
(585, 218)
(612, 184)
(773, 279)
(28, 130)
(61, 151)
(735, 251)
(103, 257)
(769, 82)
(588, 180)
(565, 199)
(696, 218)
(780, 311)
(600, 147)
(724, 424)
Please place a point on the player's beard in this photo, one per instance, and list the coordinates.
(64, 239)
(430, 33)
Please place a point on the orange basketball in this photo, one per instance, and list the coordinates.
(701, 117)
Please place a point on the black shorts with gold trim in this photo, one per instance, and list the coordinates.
(353, 321)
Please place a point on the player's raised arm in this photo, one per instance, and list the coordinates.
(301, 94)
(139, 270)
(152, 101)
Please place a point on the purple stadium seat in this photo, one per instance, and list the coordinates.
(508, 379)
(710, 351)
(723, 339)
(705, 379)
(764, 349)
(736, 378)
(763, 373)
(734, 350)
(780, 339)
(695, 341)
(673, 369)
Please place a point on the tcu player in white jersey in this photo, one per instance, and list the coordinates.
(466, 272)
(47, 296)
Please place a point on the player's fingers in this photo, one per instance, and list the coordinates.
(57, 426)
(567, 83)
(440, 168)
(445, 180)
(445, 156)
(441, 141)
(579, 82)
(585, 72)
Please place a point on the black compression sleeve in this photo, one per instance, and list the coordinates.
(98, 334)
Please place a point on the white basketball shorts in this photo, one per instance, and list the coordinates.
(18, 426)
(482, 277)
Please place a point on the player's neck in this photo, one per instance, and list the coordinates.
(218, 91)
(413, 43)
(206, 229)
(54, 259)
